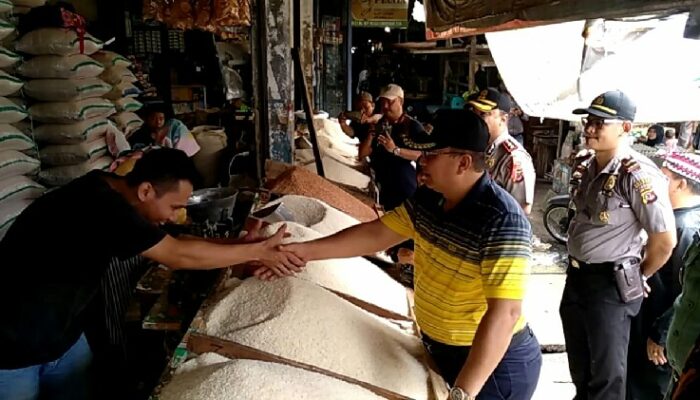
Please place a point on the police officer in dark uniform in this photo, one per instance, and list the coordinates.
(617, 194)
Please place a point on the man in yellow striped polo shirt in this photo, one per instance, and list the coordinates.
(472, 249)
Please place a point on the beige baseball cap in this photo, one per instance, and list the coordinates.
(391, 92)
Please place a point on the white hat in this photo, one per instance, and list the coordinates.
(391, 92)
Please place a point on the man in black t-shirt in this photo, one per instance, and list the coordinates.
(362, 121)
(77, 229)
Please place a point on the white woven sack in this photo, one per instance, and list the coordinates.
(12, 138)
(117, 75)
(8, 58)
(6, 6)
(14, 163)
(123, 89)
(61, 67)
(9, 213)
(6, 29)
(57, 41)
(111, 59)
(58, 176)
(66, 89)
(71, 112)
(19, 188)
(9, 84)
(29, 3)
(10, 112)
(129, 104)
(72, 154)
(72, 133)
(127, 122)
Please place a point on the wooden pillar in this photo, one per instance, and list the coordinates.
(273, 80)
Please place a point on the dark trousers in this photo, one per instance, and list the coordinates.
(596, 330)
(515, 377)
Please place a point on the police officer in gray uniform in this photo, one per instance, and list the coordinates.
(617, 193)
(508, 162)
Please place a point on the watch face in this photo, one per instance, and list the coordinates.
(457, 394)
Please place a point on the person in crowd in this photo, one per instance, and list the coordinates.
(163, 130)
(617, 193)
(362, 124)
(516, 116)
(687, 386)
(649, 374)
(471, 263)
(508, 162)
(655, 135)
(671, 143)
(81, 227)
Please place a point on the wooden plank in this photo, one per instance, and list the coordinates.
(309, 112)
(206, 344)
(371, 308)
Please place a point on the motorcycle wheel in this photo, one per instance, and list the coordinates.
(555, 221)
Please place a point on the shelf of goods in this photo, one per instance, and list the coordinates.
(340, 329)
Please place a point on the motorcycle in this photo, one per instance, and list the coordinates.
(557, 216)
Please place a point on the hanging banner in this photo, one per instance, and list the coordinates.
(380, 13)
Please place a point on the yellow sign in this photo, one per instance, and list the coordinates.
(380, 13)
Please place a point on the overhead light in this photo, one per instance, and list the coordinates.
(387, 29)
(418, 13)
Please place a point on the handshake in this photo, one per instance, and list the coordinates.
(272, 259)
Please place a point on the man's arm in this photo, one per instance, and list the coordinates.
(342, 120)
(658, 251)
(365, 149)
(201, 254)
(490, 344)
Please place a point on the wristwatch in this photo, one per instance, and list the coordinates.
(456, 393)
(396, 151)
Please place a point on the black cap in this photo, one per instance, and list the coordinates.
(458, 129)
(489, 100)
(613, 105)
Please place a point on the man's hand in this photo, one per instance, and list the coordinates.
(387, 142)
(655, 353)
(278, 261)
(298, 250)
(370, 119)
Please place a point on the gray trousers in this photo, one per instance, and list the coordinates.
(596, 330)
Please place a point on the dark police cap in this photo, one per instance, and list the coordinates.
(611, 105)
(457, 129)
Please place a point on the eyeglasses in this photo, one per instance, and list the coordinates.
(598, 123)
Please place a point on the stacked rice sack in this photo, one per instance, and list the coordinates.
(23, 6)
(69, 113)
(18, 162)
(124, 93)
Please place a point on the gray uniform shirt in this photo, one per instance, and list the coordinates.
(608, 223)
(511, 167)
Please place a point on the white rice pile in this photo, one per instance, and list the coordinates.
(315, 214)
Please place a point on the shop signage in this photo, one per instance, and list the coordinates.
(380, 13)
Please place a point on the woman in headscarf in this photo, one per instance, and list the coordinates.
(655, 135)
(162, 130)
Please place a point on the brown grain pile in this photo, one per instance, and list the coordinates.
(302, 182)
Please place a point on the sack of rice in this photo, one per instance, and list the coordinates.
(123, 89)
(129, 104)
(9, 84)
(29, 3)
(9, 213)
(8, 58)
(58, 176)
(127, 122)
(14, 163)
(10, 112)
(12, 138)
(57, 41)
(73, 111)
(212, 141)
(111, 59)
(117, 75)
(6, 6)
(58, 155)
(75, 133)
(66, 89)
(21, 10)
(116, 141)
(19, 188)
(6, 29)
(61, 67)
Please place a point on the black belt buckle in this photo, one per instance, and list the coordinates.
(628, 278)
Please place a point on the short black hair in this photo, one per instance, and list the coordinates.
(159, 107)
(164, 168)
(692, 184)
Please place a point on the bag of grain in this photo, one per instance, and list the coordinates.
(58, 176)
(66, 89)
(9, 84)
(8, 58)
(11, 112)
(29, 3)
(21, 10)
(71, 154)
(19, 188)
(127, 122)
(111, 59)
(12, 138)
(9, 213)
(117, 75)
(61, 67)
(116, 141)
(129, 104)
(6, 6)
(6, 29)
(71, 112)
(14, 163)
(72, 133)
(212, 141)
(123, 89)
(57, 41)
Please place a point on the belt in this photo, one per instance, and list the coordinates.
(517, 338)
(600, 266)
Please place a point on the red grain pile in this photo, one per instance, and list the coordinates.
(302, 182)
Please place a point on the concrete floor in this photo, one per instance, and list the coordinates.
(541, 306)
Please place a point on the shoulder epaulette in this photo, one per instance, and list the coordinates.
(584, 154)
(509, 146)
(630, 165)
